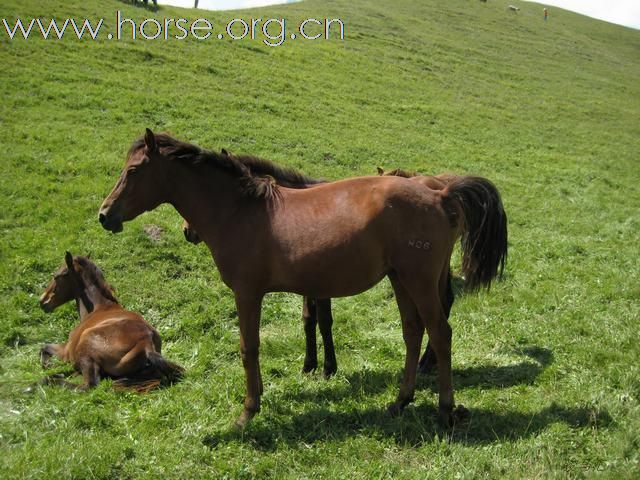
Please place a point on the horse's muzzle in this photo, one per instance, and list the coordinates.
(191, 235)
(113, 223)
(45, 303)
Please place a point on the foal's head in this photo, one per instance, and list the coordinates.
(138, 188)
(62, 288)
(70, 280)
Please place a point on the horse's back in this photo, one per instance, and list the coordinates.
(109, 333)
(340, 238)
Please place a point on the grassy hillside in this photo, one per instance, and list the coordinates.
(547, 361)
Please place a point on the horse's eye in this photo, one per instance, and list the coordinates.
(132, 171)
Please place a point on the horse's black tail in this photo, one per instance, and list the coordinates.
(484, 229)
(158, 372)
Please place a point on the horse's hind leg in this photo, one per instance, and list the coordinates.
(433, 317)
(49, 350)
(325, 322)
(428, 362)
(310, 320)
(412, 332)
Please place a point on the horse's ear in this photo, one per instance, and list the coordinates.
(225, 152)
(380, 171)
(68, 258)
(150, 141)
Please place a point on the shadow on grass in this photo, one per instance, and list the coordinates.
(414, 428)
(371, 382)
(418, 424)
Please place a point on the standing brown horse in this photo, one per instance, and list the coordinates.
(109, 341)
(336, 239)
(317, 312)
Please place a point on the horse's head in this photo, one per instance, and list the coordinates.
(62, 288)
(138, 188)
(190, 233)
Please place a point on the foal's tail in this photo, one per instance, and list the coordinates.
(484, 228)
(158, 372)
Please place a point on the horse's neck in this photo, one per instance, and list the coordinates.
(90, 299)
(207, 200)
(83, 307)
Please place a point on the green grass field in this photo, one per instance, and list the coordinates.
(547, 361)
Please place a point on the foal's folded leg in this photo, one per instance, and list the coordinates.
(49, 350)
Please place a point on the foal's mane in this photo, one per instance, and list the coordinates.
(259, 178)
(93, 275)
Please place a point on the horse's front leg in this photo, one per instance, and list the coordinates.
(309, 319)
(249, 307)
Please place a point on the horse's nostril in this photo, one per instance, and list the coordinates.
(102, 217)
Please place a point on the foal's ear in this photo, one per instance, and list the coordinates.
(68, 258)
(224, 152)
(380, 171)
(150, 141)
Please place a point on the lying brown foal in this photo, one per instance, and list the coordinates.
(109, 341)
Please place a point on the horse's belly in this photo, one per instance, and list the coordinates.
(336, 272)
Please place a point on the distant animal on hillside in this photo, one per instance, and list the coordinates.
(109, 341)
(146, 3)
(513, 8)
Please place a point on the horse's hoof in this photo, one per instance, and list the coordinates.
(395, 409)
(309, 367)
(244, 419)
(330, 371)
(448, 417)
(461, 413)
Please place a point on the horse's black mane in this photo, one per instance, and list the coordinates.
(259, 178)
(93, 275)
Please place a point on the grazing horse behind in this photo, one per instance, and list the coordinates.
(109, 341)
(336, 239)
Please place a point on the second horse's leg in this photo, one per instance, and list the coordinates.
(325, 321)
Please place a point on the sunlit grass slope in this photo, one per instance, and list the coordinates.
(547, 361)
